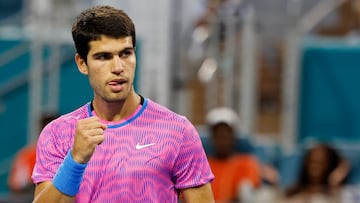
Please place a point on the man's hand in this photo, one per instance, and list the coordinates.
(89, 133)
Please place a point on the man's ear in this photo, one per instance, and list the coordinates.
(81, 64)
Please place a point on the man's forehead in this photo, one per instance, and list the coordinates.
(105, 43)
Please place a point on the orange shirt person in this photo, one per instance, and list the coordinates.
(233, 171)
(19, 180)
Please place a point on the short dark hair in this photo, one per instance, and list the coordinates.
(97, 21)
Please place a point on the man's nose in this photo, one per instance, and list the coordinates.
(118, 65)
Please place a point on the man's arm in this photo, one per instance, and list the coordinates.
(89, 133)
(201, 194)
(46, 192)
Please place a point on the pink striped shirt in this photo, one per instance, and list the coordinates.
(147, 157)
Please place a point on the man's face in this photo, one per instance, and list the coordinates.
(317, 164)
(223, 139)
(110, 67)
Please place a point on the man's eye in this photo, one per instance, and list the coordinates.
(125, 53)
(103, 57)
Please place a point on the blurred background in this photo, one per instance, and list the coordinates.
(289, 68)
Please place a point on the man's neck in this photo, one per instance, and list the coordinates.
(115, 111)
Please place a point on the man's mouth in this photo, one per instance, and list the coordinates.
(117, 85)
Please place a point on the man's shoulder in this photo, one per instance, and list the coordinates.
(244, 156)
(162, 110)
(77, 114)
(246, 160)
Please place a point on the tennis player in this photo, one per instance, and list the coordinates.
(119, 147)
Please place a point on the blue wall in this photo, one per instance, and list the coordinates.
(329, 95)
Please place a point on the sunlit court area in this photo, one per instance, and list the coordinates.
(271, 86)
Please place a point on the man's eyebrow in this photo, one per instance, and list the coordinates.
(127, 49)
(109, 52)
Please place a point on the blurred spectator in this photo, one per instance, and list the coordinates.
(219, 10)
(236, 174)
(219, 19)
(19, 181)
(321, 177)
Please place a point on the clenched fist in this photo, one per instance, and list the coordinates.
(89, 133)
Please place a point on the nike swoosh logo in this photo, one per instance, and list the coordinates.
(138, 146)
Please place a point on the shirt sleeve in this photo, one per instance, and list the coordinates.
(249, 169)
(52, 147)
(191, 166)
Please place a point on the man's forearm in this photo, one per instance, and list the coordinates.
(46, 192)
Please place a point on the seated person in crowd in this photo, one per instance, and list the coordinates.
(235, 173)
(19, 180)
(322, 174)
